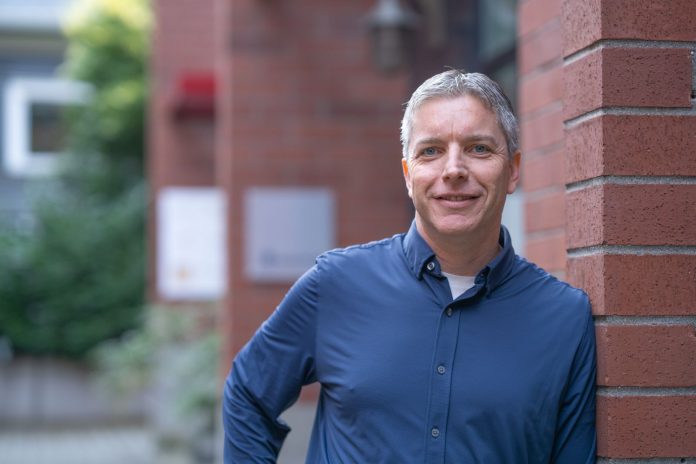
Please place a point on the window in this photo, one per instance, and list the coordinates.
(34, 123)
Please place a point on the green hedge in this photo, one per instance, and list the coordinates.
(78, 277)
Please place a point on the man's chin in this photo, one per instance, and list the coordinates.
(454, 229)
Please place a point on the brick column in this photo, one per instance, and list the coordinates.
(630, 144)
(180, 149)
(541, 120)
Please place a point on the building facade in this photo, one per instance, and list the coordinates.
(274, 135)
(33, 97)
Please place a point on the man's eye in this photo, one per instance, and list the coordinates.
(430, 151)
(480, 149)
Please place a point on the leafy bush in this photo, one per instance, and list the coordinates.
(78, 277)
(172, 359)
(130, 364)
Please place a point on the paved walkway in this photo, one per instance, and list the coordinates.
(125, 444)
(130, 445)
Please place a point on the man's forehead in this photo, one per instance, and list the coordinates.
(437, 100)
(437, 111)
(437, 104)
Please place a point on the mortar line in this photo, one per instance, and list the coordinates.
(619, 392)
(629, 111)
(646, 461)
(630, 180)
(632, 250)
(625, 43)
(664, 321)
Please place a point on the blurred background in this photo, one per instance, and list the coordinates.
(168, 169)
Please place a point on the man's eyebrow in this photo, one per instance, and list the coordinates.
(429, 140)
(468, 138)
(481, 138)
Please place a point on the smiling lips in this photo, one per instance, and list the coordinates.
(456, 196)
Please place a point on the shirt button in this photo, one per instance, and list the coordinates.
(449, 312)
(441, 369)
(435, 432)
(430, 266)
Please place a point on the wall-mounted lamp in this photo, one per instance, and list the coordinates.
(391, 31)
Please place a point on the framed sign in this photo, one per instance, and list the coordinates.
(191, 243)
(285, 229)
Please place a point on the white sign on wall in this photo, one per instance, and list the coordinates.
(191, 243)
(284, 231)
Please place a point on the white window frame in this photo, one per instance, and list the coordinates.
(20, 93)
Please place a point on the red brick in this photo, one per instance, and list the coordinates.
(540, 131)
(581, 22)
(542, 47)
(651, 214)
(637, 285)
(548, 252)
(585, 217)
(646, 356)
(535, 13)
(632, 215)
(631, 145)
(540, 90)
(585, 22)
(543, 171)
(649, 20)
(646, 426)
(633, 77)
(545, 212)
(582, 80)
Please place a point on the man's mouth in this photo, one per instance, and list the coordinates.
(455, 197)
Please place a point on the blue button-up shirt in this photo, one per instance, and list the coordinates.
(504, 373)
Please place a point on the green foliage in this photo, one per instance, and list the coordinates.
(77, 278)
(134, 363)
(108, 47)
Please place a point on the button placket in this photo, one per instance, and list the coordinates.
(439, 401)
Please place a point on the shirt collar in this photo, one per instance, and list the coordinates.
(419, 255)
(418, 252)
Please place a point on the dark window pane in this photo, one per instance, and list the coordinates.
(48, 128)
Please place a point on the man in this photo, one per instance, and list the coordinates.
(435, 346)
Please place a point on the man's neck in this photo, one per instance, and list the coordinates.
(463, 254)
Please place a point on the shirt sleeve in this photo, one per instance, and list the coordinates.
(575, 440)
(267, 376)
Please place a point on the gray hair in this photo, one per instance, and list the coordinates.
(454, 83)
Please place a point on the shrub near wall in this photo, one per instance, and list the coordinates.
(78, 277)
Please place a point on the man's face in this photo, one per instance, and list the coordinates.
(458, 173)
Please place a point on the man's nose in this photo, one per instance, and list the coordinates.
(455, 164)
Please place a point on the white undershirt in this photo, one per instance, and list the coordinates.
(459, 284)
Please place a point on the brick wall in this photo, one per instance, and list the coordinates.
(301, 105)
(181, 148)
(541, 122)
(630, 201)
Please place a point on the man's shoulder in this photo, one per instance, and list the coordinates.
(369, 251)
(540, 283)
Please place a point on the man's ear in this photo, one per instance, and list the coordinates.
(514, 166)
(407, 176)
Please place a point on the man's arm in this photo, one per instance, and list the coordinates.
(267, 376)
(575, 440)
